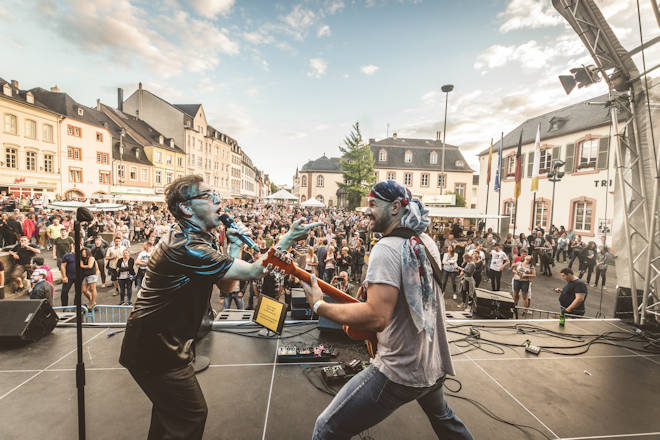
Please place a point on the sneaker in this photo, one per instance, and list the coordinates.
(454, 297)
(116, 293)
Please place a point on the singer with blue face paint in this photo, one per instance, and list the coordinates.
(158, 345)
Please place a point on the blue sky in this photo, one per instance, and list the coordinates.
(288, 79)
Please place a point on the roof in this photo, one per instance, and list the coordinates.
(18, 95)
(64, 104)
(323, 163)
(421, 155)
(570, 119)
(130, 149)
(189, 109)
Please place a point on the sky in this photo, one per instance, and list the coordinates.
(288, 79)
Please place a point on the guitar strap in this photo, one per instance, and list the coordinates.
(408, 233)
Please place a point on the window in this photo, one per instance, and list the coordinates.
(545, 160)
(541, 214)
(133, 173)
(158, 157)
(75, 175)
(73, 131)
(582, 216)
(104, 177)
(304, 181)
(99, 136)
(460, 189)
(102, 158)
(391, 175)
(319, 181)
(509, 209)
(31, 160)
(11, 156)
(442, 180)
(169, 177)
(434, 157)
(407, 157)
(11, 124)
(30, 129)
(168, 159)
(159, 177)
(179, 161)
(511, 166)
(48, 163)
(47, 133)
(587, 154)
(425, 179)
(407, 179)
(382, 156)
(144, 175)
(320, 198)
(73, 153)
(121, 172)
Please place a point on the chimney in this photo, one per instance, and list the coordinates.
(14, 83)
(394, 135)
(55, 89)
(139, 109)
(98, 104)
(437, 135)
(120, 99)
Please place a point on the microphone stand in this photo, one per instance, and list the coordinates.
(80, 366)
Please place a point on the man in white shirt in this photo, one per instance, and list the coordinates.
(498, 261)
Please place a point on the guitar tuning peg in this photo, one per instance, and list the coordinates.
(269, 267)
(289, 260)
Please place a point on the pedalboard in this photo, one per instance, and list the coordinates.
(342, 372)
(534, 349)
(295, 353)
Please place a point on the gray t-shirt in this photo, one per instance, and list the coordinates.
(405, 356)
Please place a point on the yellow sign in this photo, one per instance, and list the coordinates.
(270, 314)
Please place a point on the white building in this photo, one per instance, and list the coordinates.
(579, 135)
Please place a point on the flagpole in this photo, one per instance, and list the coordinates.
(499, 197)
(488, 186)
(534, 210)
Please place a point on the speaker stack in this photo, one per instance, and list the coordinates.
(25, 320)
(493, 304)
(300, 310)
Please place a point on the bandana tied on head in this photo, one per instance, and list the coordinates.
(417, 271)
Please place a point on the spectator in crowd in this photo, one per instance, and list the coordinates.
(125, 275)
(449, 269)
(603, 260)
(344, 260)
(41, 289)
(98, 250)
(573, 295)
(38, 262)
(112, 256)
(22, 254)
(311, 261)
(68, 271)
(141, 264)
(330, 263)
(89, 276)
(498, 261)
(562, 247)
(576, 246)
(62, 245)
(54, 230)
(523, 272)
(588, 260)
(466, 282)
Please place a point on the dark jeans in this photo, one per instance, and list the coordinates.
(495, 279)
(602, 274)
(589, 269)
(125, 289)
(64, 295)
(563, 253)
(445, 276)
(139, 276)
(233, 296)
(329, 273)
(101, 265)
(573, 257)
(369, 398)
(179, 408)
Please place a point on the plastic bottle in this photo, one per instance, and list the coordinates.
(562, 319)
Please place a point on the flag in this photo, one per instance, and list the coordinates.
(496, 185)
(516, 188)
(537, 160)
(490, 161)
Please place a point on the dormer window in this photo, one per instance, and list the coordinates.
(434, 158)
(81, 111)
(382, 156)
(459, 163)
(172, 143)
(137, 153)
(160, 139)
(6, 89)
(29, 97)
(556, 123)
(407, 157)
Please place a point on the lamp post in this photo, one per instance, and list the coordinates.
(446, 89)
(554, 176)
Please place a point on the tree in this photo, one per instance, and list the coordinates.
(357, 164)
(460, 200)
(273, 188)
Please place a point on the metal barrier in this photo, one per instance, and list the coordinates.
(110, 314)
(529, 313)
(72, 309)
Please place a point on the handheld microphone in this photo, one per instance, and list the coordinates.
(229, 224)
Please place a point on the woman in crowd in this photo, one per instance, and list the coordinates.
(603, 260)
(330, 263)
(125, 274)
(344, 261)
(562, 247)
(311, 261)
(449, 269)
(588, 260)
(89, 276)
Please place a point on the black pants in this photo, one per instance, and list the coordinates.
(101, 265)
(179, 408)
(589, 269)
(64, 295)
(602, 274)
(563, 253)
(495, 279)
(125, 289)
(445, 277)
(573, 257)
(477, 278)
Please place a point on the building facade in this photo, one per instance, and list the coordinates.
(319, 179)
(579, 135)
(30, 163)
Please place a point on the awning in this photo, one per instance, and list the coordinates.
(140, 197)
(453, 212)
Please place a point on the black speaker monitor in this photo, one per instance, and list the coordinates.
(25, 320)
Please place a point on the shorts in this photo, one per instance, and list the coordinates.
(113, 274)
(90, 279)
(521, 286)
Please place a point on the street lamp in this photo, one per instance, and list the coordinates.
(446, 89)
(554, 176)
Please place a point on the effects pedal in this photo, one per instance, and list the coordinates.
(534, 349)
(294, 353)
(334, 374)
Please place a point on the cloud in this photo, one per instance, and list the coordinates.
(318, 66)
(298, 20)
(334, 7)
(529, 14)
(252, 91)
(258, 37)
(207, 85)
(212, 8)
(369, 69)
(324, 31)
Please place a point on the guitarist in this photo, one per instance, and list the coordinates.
(407, 311)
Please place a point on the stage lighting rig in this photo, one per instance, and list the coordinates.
(581, 76)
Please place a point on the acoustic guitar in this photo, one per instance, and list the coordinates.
(277, 261)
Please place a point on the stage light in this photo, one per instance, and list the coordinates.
(581, 76)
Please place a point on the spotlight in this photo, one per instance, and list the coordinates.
(581, 76)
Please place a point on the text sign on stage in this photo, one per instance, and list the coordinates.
(270, 314)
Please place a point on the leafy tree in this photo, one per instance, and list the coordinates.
(273, 188)
(357, 164)
(460, 200)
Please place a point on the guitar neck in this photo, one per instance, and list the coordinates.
(326, 288)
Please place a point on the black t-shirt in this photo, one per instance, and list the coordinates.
(62, 246)
(568, 294)
(24, 255)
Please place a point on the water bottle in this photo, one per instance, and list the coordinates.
(562, 319)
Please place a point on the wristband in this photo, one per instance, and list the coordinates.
(316, 306)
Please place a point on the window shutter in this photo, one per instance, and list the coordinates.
(522, 163)
(555, 153)
(603, 153)
(570, 158)
(530, 164)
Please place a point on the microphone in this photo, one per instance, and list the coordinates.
(229, 223)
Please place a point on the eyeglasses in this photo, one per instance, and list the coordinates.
(214, 196)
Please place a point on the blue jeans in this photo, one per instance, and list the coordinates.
(369, 397)
(233, 296)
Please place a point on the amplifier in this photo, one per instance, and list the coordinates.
(302, 314)
(235, 315)
(327, 324)
(298, 299)
(623, 308)
(493, 304)
(25, 320)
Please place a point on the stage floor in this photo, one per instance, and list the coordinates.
(609, 392)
